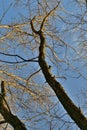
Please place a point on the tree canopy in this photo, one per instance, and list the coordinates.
(43, 57)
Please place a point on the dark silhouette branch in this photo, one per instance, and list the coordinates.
(13, 55)
(17, 62)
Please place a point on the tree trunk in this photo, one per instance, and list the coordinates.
(74, 112)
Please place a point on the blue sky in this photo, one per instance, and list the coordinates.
(19, 14)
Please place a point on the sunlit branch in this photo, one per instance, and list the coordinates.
(15, 79)
(5, 26)
(12, 76)
(18, 86)
(42, 25)
(17, 29)
(14, 25)
(6, 36)
(28, 90)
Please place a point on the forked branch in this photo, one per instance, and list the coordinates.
(74, 112)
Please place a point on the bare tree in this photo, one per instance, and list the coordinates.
(42, 46)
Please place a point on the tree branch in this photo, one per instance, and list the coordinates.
(8, 116)
(16, 62)
(42, 24)
(74, 112)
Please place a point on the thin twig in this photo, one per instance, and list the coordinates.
(42, 25)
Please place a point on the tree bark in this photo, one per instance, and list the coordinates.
(74, 112)
(6, 113)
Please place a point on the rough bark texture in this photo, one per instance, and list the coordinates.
(6, 113)
(74, 112)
